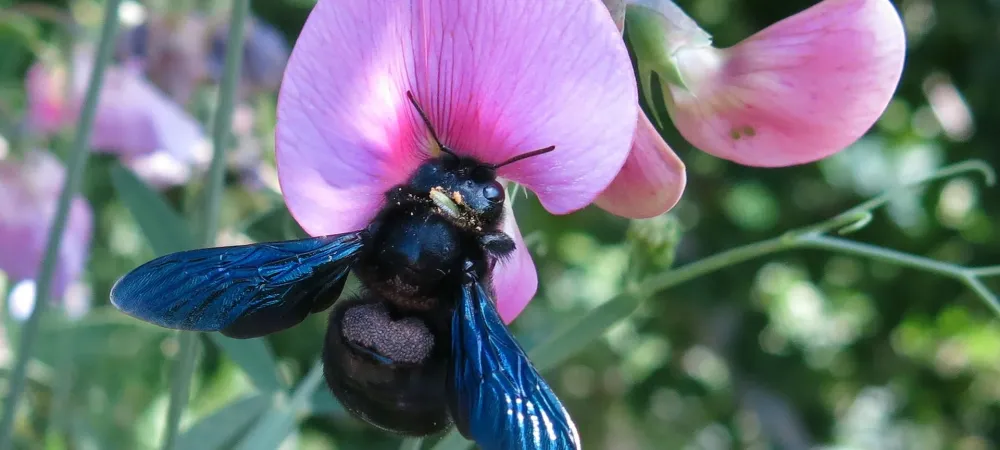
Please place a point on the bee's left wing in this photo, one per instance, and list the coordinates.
(496, 396)
(243, 291)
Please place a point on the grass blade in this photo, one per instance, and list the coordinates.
(255, 358)
(79, 154)
(221, 428)
(412, 444)
(274, 427)
(164, 228)
(323, 403)
(453, 441)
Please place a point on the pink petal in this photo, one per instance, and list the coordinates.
(48, 111)
(798, 91)
(133, 116)
(29, 191)
(514, 278)
(651, 181)
(497, 78)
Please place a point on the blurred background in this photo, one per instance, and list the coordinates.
(805, 349)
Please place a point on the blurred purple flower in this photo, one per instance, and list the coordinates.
(171, 51)
(29, 191)
(135, 120)
(497, 79)
(265, 54)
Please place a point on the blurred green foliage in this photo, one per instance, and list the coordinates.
(793, 351)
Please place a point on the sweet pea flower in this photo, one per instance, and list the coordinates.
(653, 178)
(135, 120)
(29, 192)
(796, 92)
(497, 79)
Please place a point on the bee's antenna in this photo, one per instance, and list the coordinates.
(427, 123)
(517, 158)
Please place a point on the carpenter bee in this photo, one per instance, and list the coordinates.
(421, 346)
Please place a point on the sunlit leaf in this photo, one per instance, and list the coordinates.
(165, 229)
(274, 427)
(221, 428)
(254, 356)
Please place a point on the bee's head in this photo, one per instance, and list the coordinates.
(463, 188)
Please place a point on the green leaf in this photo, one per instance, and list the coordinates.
(411, 444)
(165, 229)
(221, 428)
(277, 224)
(575, 337)
(272, 429)
(453, 441)
(255, 358)
(323, 403)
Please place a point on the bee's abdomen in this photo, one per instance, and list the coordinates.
(388, 369)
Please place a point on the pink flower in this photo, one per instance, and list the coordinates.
(134, 119)
(796, 92)
(497, 79)
(653, 178)
(29, 191)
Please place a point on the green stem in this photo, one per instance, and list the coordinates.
(840, 245)
(222, 122)
(990, 271)
(965, 275)
(181, 384)
(80, 153)
(715, 262)
(65, 374)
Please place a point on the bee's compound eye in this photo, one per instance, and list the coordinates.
(493, 192)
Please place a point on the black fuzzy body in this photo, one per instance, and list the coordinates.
(387, 361)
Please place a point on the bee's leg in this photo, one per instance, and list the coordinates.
(497, 244)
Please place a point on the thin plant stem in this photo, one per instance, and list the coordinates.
(80, 153)
(990, 271)
(181, 383)
(65, 374)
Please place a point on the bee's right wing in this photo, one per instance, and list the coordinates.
(243, 291)
(495, 395)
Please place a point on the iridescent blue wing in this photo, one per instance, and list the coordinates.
(496, 396)
(243, 291)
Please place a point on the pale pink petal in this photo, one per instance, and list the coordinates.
(796, 92)
(497, 78)
(514, 278)
(651, 181)
(29, 192)
(133, 117)
(48, 108)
